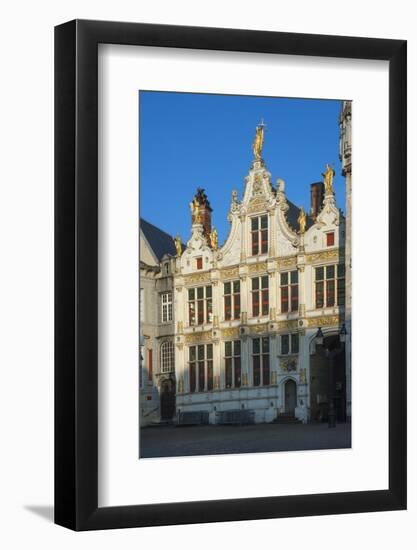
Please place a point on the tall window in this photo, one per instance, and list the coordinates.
(232, 364)
(200, 305)
(167, 357)
(150, 365)
(260, 296)
(289, 343)
(260, 361)
(289, 291)
(330, 286)
(201, 367)
(259, 235)
(166, 299)
(232, 300)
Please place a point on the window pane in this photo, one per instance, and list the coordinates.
(294, 343)
(264, 222)
(265, 281)
(319, 273)
(191, 313)
(228, 307)
(192, 377)
(200, 352)
(228, 372)
(265, 370)
(341, 270)
(254, 224)
(265, 345)
(319, 294)
(294, 277)
(330, 272)
(255, 304)
(284, 299)
(208, 291)
(256, 370)
(294, 297)
(191, 294)
(236, 300)
(330, 293)
(341, 292)
(228, 349)
(227, 288)
(192, 353)
(264, 241)
(265, 302)
(284, 278)
(255, 284)
(200, 292)
(237, 347)
(236, 286)
(200, 312)
(209, 351)
(255, 345)
(209, 310)
(210, 375)
(237, 372)
(201, 376)
(285, 340)
(255, 243)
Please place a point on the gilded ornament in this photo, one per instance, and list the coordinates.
(302, 220)
(328, 180)
(178, 245)
(258, 141)
(214, 239)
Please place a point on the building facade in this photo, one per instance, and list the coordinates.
(245, 315)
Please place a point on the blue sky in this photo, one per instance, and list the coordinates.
(202, 140)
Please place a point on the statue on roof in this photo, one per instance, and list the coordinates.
(195, 211)
(258, 141)
(178, 245)
(302, 220)
(214, 241)
(328, 180)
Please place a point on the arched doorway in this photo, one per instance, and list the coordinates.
(290, 389)
(167, 399)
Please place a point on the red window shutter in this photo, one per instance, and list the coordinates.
(150, 365)
(199, 263)
(330, 239)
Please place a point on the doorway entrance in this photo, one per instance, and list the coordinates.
(290, 397)
(167, 399)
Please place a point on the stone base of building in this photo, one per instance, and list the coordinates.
(264, 405)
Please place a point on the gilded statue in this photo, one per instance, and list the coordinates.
(178, 245)
(214, 239)
(195, 211)
(328, 180)
(258, 141)
(302, 220)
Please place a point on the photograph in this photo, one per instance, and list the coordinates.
(245, 312)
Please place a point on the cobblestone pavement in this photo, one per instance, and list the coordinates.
(159, 441)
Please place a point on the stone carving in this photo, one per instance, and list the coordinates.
(325, 256)
(328, 176)
(325, 321)
(258, 141)
(230, 333)
(289, 364)
(229, 273)
(287, 325)
(303, 376)
(197, 337)
(258, 268)
(197, 278)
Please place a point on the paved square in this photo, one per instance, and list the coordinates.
(164, 441)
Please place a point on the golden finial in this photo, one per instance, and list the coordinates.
(328, 180)
(258, 141)
(302, 220)
(195, 211)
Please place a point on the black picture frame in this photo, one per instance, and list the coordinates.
(76, 272)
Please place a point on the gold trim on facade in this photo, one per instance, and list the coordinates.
(258, 268)
(198, 337)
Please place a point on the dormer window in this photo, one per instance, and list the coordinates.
(259, 235)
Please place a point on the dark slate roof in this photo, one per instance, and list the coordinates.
(292, 216)
(160, 242)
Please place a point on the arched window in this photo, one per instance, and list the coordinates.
(167, 357)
